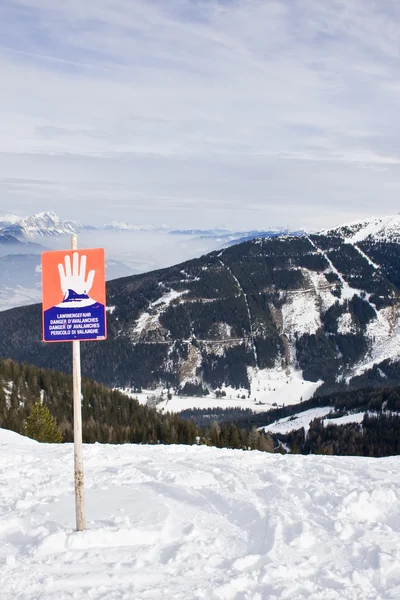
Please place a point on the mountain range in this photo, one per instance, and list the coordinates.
(46, 224)
(324, 308)
(130, 248)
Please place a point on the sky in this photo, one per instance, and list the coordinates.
(197, 113)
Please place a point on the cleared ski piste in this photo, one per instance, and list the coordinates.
(181, 522)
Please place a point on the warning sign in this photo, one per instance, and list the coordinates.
(74, 295)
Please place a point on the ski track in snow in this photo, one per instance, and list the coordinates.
(247, 308)
(365, 256)
(179, 523)
(347, 291)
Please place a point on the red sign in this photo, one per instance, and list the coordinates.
(74, 295)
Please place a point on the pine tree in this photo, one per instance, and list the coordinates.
(233, 437)
(266, 443)
(41, 425)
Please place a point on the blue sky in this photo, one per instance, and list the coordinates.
(245, 113)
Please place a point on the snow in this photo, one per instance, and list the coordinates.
(345, 420)
(300, 314)
(149, 319)
(298, 421)
(10, 437)
(269, 388)
(303, 419)
(345, 324)
(180, 403)
(385, 228)
(347, 292)
(242, 293)
(384, 335)
(178, 523)
(281, 386)
(381, 228)
(365, 256)
(9, 220)
(41, 224)
(168, 298)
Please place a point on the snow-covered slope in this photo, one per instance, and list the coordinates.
(298, 421)
(381, 229)
(197, 523)
(303, 419)
(269, 388)
(10, 437)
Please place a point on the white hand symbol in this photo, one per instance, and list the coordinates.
(74, 279)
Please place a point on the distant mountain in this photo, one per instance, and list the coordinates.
(39, 225)
(10, 245)
(324, 308)
(116, 226)
(202, 232)
(20, 236)
(46, 224)
(6, 239)
(227, 237)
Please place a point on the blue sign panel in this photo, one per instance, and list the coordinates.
(63, 323)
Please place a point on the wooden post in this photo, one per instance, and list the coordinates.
(78, 458)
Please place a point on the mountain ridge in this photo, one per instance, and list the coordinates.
(273, 306)
(44, 224)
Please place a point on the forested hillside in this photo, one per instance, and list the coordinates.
(327, 305)
(112, 417)
(108, 415)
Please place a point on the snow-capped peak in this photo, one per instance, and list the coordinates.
(48, 223)
(9, 220)
(38, 225)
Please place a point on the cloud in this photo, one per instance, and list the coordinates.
(200, 112)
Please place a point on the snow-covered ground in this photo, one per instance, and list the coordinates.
(346, 419)
(384, 332)
(298, 421)
(385, 229)
(269, 388)
(303, 419)
(179, 523)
